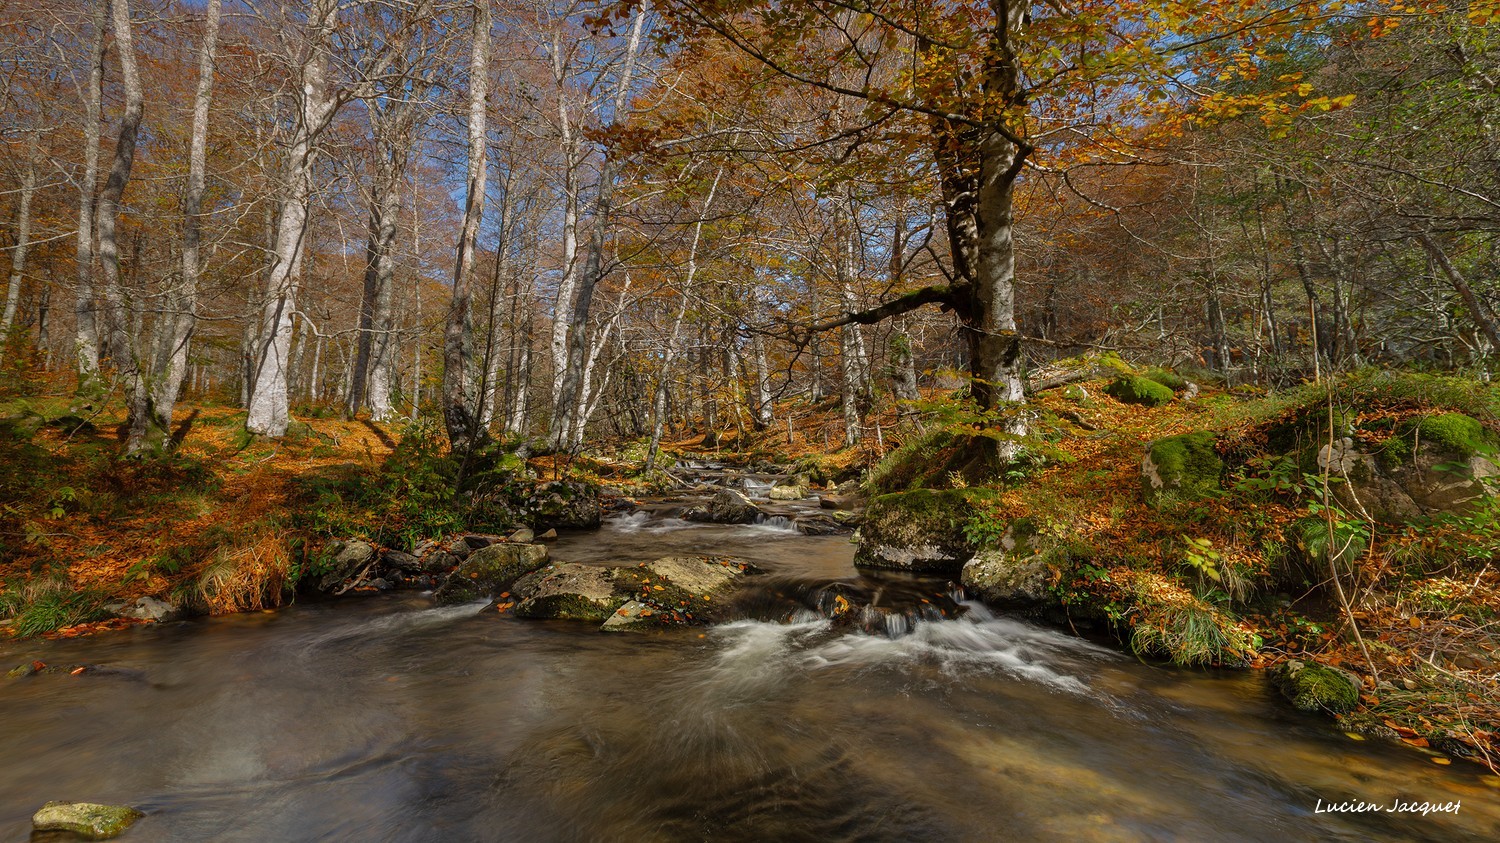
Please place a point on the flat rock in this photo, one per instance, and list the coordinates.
(88, 820)
(569, 592)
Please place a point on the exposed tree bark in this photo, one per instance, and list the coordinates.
(23, 239)
(570, 402)
(1479, 311)
(269, 412)
(372, 361)
(120, 349)
(461, 392)
(85, 307)
(150, 425)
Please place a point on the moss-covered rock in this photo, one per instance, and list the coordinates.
(570, 592)
(489, 571)
(788, 492)
(1316, 687)
(1462, 436)
(921, 530)
(1134, 389)
(1185, 467)
(564, 504)
(1167, 378)
(88, 820)
(677, 590)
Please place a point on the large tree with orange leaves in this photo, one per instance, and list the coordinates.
(994, 88)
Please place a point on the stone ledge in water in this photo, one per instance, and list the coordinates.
(85, 819)
(787, 493)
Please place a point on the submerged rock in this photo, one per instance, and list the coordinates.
(85, 819)
(727, 506)
(569, 592)
(490, 570)
(1317, 687)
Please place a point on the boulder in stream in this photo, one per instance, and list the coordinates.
(671, 591)
(88, 820)
(727, 506)
(490, 570)
(921, 530)
(350, 560)
(787, 493)
(1013, 575)
(569, 592)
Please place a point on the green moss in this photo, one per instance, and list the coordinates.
(1167, 378)
(1186, 466)
(1133, 389)
(1313, 687)
(1461, 434)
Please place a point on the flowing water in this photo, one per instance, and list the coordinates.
(385, 719)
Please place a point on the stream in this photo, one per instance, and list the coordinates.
(385, 719)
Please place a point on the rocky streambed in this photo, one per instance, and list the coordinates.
(814, 702)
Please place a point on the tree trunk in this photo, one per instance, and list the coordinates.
(269, 414)
(460, 392)
(119, 346)
(570, 403)
(23, 239)
(151, 425)
(85, 308)
(904, 376)
(372, 358)
(1478, 310)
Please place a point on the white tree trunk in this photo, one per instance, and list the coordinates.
(269, 413)
(460, 393)
(85, 307)
(23, 239)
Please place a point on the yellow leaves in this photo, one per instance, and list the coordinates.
(1484, 12)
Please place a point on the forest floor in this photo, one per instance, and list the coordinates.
(1427, 648)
